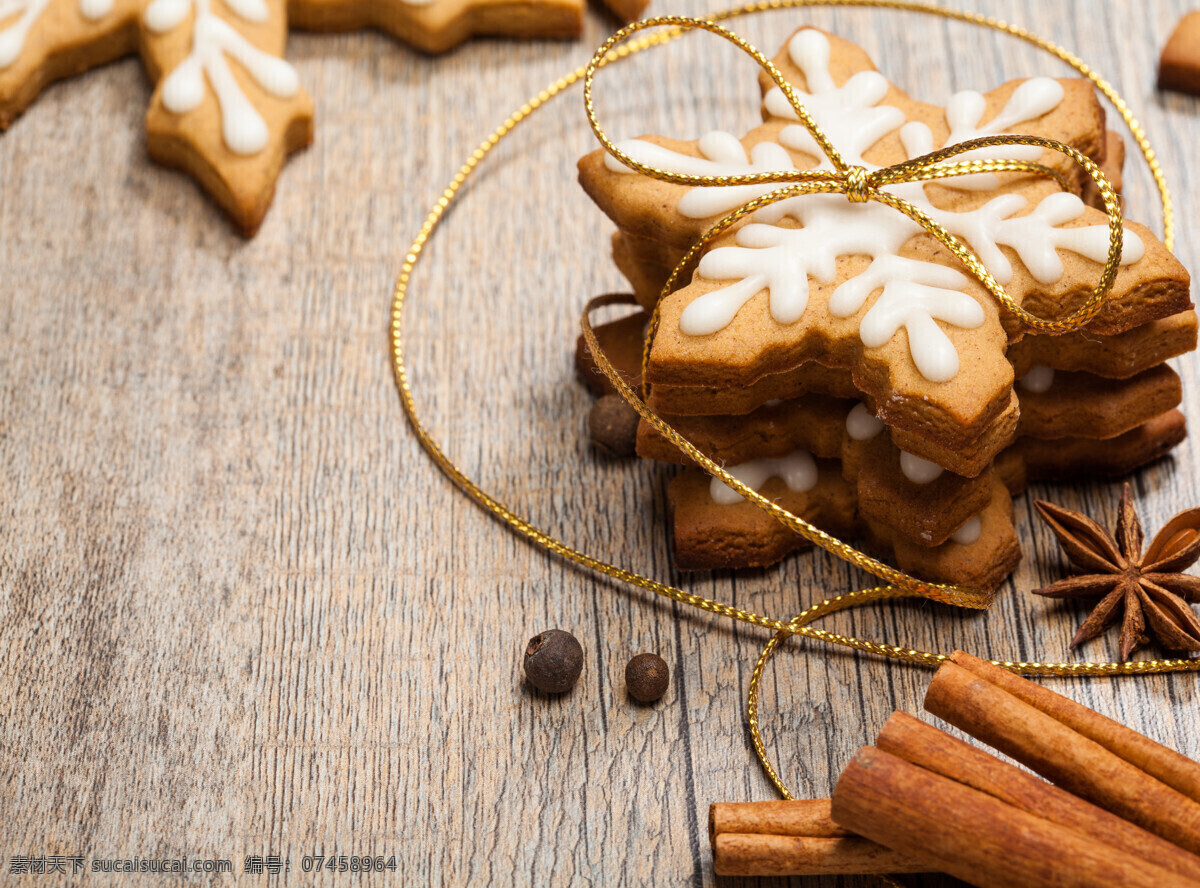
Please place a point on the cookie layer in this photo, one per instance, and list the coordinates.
(1090, 406)
(442, 25)
(45, 42)
(712, 536)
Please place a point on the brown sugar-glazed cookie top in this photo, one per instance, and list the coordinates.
(861, 286)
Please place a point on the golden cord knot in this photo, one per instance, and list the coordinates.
(858, 182)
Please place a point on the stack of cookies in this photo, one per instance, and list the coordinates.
(840, 360)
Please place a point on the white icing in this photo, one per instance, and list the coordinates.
(721, 155)
(12, 38)
(917, 470)
(1037, 380)
(861, 425)
(850, 115)
(965, 109)
(915, 295)
(213, 41)
(969, 532)
(1029, 101)
(798, 471)
(95, 9)
(1037, 238)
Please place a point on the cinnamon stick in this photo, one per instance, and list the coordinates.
(1175, 770)
(794, 817)
(922, 744)
(794, 838)
(751, 854)
(976, 837)
(1062, 755)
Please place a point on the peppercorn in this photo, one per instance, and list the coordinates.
(553, 661)
(613, 426)
(646, 677)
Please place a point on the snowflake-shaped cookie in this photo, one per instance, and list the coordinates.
(860, 285)
(227, 107)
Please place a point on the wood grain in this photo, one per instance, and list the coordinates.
(241, 613)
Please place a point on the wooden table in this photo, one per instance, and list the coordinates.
(240, 611)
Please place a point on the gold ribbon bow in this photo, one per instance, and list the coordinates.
(859, 185)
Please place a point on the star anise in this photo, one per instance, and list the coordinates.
(1154, 594)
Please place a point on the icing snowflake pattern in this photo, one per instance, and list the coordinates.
(914, 295)
(242, 127)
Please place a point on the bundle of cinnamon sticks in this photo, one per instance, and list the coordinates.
(1115, 807)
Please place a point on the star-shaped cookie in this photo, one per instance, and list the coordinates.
(820, 281)
(227, 107)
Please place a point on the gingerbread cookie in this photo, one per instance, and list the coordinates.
(1179, 67)
(1036, 360)
(1030, 459)
(858, 286)
(834, 357)
(227, 107)
(915, 496)
(439, 25)
(42, 41)
(919, 500)
(713, 528)
(647, 263)
(886, 494)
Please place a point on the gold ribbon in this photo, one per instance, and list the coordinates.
(858, 184)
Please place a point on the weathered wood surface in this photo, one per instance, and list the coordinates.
(240, 611)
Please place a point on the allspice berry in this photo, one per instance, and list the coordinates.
(613, 426)
(646, 677)
(553, 661)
